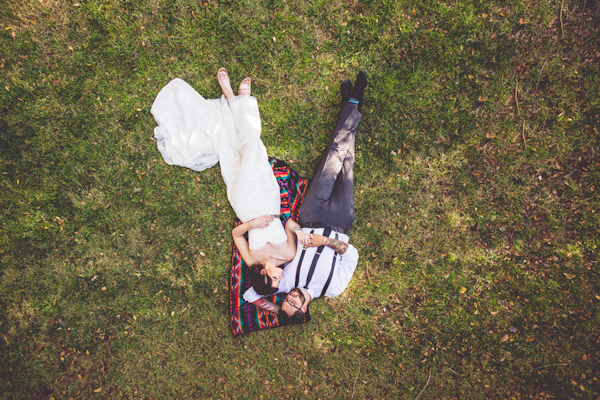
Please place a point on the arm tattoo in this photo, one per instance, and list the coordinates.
(266, 305)
(337, 245)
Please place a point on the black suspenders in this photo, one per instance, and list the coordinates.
(300, 264)
(313, 264)
(330, 272)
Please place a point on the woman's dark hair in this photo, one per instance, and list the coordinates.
(296, 318)
(262, 283)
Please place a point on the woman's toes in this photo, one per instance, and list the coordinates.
(245, 87)
(223, 78)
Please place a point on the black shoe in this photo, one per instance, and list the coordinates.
(359, 87)
(346, 90)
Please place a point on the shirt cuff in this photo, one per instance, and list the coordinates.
(251, 296)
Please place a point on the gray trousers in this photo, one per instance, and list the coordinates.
(329, 200)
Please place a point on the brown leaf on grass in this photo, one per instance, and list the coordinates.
(484, 15)
(504, 338)
(521, 21)
(568, 276)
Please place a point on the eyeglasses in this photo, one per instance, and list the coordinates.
(292, 304)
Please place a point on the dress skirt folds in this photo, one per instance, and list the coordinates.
(196, 133)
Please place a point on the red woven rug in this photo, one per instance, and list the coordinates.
(245, 317)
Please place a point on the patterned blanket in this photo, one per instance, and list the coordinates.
(245, 317)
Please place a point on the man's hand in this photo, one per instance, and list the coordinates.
(317, 240)
(336, 245)
(303, 238)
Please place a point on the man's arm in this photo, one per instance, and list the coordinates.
(293, 227)
(336, 245)
(252, 297)
(266, 305)
(347, 266)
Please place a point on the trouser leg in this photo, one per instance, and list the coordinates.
(330, 196)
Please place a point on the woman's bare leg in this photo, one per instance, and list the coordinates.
(245, 87)
(223, 78)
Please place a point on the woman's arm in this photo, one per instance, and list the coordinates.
(292, 227)
(240, 241)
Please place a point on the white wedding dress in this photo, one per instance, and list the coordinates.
(195, 133)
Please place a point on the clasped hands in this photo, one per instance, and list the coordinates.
(307, 239)
(312, 239)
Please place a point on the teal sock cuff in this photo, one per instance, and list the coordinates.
(353, 101)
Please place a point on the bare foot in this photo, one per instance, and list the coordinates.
(245, 87)
(223, 78)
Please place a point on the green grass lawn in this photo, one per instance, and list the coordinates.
(476, 183)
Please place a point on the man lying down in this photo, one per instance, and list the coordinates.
(324, 261)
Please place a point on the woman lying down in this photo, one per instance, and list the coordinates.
(196, 133)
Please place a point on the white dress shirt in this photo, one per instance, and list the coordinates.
(344, 268)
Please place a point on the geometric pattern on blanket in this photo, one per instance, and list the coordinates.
(245, 317)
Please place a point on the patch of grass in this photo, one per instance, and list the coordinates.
(476, 188)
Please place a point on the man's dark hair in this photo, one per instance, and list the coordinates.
(262, 283)
(295, 319)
